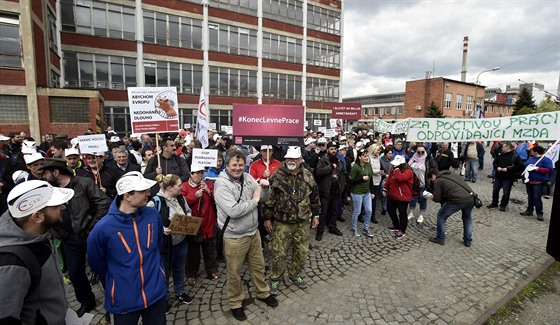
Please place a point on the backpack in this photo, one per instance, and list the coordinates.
(29, 260)
(415, 189)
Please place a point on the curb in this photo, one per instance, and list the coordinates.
(484, 317)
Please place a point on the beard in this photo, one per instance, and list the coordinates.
(291, 166)
(333, 158)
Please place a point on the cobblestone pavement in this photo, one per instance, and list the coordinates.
(382, 280)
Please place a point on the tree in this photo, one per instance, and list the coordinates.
(548, 105)
(433, 111)
(525, 100)
(525, 111)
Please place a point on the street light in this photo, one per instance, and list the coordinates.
(476, 90)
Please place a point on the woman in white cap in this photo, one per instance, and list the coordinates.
(398, 189)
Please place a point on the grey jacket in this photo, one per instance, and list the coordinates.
(244, 217)
(49, 298)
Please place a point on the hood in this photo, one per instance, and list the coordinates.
(11, 234)
(114, 212)
(444, 172)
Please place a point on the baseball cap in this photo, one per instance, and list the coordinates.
(114, 138)
(133, 181)
(196, 168)
(33, 157)
(4, 138)
(34, 195)
(322, 140)
(398, 161)
(216, 137)
(332, 144)
(293, 153)
(266, 146)
(309, 140)
(19, 175)
(343, 147)
(71, 151)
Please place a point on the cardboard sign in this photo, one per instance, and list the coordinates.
(347, 111)
(322, 129)
(186, 126)
(317, 122)
(95, 143)
(330, 133)
(186, 225)
(153, 109)
(205, 157)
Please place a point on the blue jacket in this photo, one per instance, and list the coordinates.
(522, 150)
(212, 174)
(124, 249)
(541, 174)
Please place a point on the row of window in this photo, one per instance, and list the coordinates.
(448, 101)
(83, 70)
(322, 90)
(324, 55)
(186, 77)
(384, 110)
(172, 30)
(231, 39)
(10, 49)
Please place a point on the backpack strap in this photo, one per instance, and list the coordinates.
(29, 260)
(157, 203)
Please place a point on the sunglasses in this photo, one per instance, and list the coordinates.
(421, 152)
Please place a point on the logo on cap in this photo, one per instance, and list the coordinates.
(30, 202)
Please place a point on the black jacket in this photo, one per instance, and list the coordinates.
(446, 160)
(511, 161)
(324, 175)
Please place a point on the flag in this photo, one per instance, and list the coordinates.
(479, 111)
(202, 123)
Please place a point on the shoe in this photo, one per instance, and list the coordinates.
(467, 244)
(298, 282)
(420, 219)
(184, 298)
(367, 233)
(239, 314)
(400, 234)
(435, 240)
(84, 309)
(540, 217)
(374, 220)
(546, 196)
(491, 206)
(319, 237)
(393, 229)
(108, 318)
(270, 301)
(489, 176)
(473, 180)
(502, 208)
(274, 287)
(335, 231)
(356, 233)
(383, 212)
(410, 215)
(527, 213)
(341, 219)
(191, 281)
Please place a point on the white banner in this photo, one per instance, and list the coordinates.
(95, 143)
(394, 128)
(205, 157)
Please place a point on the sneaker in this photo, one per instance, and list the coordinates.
(367, 233)
(435, 240)
(491, 206)
(502, 208)
(298, 282)
(335, 231)
(184, 298)
(546, 196)
(420, 219)
(467, 244)
(393, 229)
(270, 301)
(274, 284)
(400, 234)
(540, 217)
(356, 233)
(527, 213)
(239, 314)
(410, 215)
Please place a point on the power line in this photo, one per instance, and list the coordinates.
(530, 55)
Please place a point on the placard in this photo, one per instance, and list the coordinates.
(223, 128)
(187, 126)
(347, 111)
(205, 157)
(317, 122)
(306, 123)
(95, 143)
(330, 133)
(212, 126)
(229, 129)
(186, 225)
(322, 129)
(153, 109)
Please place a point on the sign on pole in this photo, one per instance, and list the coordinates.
(205, 157)
(317, 122)
(95, 143)
(347, 111)
(153, 109)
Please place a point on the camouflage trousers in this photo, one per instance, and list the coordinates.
(286, 237)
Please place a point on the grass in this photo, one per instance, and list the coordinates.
(543, 284)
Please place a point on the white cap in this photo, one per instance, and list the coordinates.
(366, 141)
(266, 146)
(28, 147)
(32, 157)
(322, 140)
(293, 153)
(114, 138)
(343, 147)
(133, 181)
(359, 144)
(309, 140)
(197, 168)
(34, 195)
(135, 135)
(19, 175)
(71, 151)
(370, 133)
(398, 160)
(342, 138)
(216, 137)
(4, 138)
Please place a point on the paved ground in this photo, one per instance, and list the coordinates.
(382, 280)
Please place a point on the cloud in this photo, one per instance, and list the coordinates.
(387, 43)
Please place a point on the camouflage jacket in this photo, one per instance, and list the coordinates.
(294, 198)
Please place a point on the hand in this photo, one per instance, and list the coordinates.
(199, 193)
(532, 167)
(334, 166)
(384, 194)
(268, 225)
(159, 170)
(266, 173)
(257, 194)
(166, 231)
(104, 190)
(366, 178)
(264, 182)
(372, 196)
(315, 222)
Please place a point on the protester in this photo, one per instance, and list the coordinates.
(507, 164)
(34, 162)
(104, 177)
(539, 167)
(167, 163)
(146, 156)
(28, 297)
(445, 158)
(386, 167)
(122, 163)
(472, 152)
(419, 163)
(398, 189)
(212, 173)
(374, 152)
(73, 160)
(361, 191)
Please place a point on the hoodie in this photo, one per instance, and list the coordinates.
(48, 301)
(124, 249)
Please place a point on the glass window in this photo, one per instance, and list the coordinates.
(149, 30)
(459, 102)
(174, 31)
(162, 78)
(69, 110)
(14, 109)
(10, 48)
(447, 101)
(161, 29)
(175, 75)
(469, 103)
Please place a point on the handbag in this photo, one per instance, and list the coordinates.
(477, 201)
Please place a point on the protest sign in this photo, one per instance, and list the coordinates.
(268, 124)
(95, 143)
(347, 111)
(317, 122)
(186, 126)
(212, 126)
(153, 109)
(223, 128)
(542, 126)
(401, 127)
(205, 157)
(322, 129)
(306, 123)
(186, 225)
(382, 126)
(332, 123)
(330, 133)
(229, 129)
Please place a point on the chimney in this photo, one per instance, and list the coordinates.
(464, 65)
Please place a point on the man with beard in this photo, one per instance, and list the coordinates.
(293, 201)
(33, 291)
(85, 209)
(331, 180)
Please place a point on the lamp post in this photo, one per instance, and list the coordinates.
(476, 91)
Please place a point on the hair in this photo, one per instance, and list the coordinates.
(361, 152)
(136, 145)
(165, 181)
(538, 149)
(144, 152)
(509, 145)
(121, 150)
(431, 172)
(373, 148)
(60, 144)
(237, 154)
(387, 149)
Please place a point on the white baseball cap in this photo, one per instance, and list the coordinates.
(114, 138)
(196, 168)
(28, 147)
(19, 175)
(398, 160)
(322, 140)
(74, 142)
(293, 153)
(4, 138)
(133, 181)
(216, 137)
(309, 140)
(32, 157)
(34, 195)
(266, 146)
(71, 151)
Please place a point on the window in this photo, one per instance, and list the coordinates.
(248, 7)
(82, 70)
(324, 55)
(170, 30)
(69, 110)
(51, 29)
(323, 20)
(119, 118)
(469, 103)
(233, 82)
(55, 79)
(447, 100)
(323, 90)
(288, 11)
(459, 102)
(283, 48)
(14, 109)
(10, 48)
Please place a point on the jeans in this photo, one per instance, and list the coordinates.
(383, 198)
(471, 172)
(534, 193)
(499, 184)
(358, 200)
(446, 210)
(177, 265)
(401, 221)
(421, 199)
(154, 314)
(74, 248)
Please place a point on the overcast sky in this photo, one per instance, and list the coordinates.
(388, 42)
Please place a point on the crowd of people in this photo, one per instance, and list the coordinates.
(112, 210)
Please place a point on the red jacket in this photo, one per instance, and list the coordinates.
(399, 185)
(208, 214)
(258, 167)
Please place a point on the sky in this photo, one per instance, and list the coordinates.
(389, 42)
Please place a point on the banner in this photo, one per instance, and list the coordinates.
(95, 143)
(394, 128)
(542, 126)
(153, 109)
(202, 121)
(347, 111)
(205, 157)
(268, 124)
